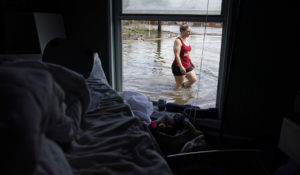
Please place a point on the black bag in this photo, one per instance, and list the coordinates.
(172, 144)
(172, 133)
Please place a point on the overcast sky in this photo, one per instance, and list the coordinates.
(171, 5)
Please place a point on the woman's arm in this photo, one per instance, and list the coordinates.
(177, 48)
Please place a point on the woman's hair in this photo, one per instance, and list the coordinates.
(183, 27)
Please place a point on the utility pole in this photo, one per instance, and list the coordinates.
(159, 26)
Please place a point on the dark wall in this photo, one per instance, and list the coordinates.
(86, 22)
(31, 5)
(18, 33)
(264, 71)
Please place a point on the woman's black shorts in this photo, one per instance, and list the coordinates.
(176, 70)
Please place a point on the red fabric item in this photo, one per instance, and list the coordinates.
(185, 59)
(153, 125)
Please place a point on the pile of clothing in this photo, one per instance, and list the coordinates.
(177, 134)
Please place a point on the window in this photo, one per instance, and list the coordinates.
(129, 15)
(187, 7)
(147, 55)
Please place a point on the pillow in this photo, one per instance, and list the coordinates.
(97, 72)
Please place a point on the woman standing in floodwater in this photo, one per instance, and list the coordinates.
(182, 66)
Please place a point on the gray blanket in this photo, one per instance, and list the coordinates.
(113, 141)
(30, 100)
(64, 134)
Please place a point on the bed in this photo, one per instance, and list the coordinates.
(59, 121)
(60, 116)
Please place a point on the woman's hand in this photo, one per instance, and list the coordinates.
(182, 70)
(193, 65)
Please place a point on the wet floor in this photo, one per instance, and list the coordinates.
(147, 65)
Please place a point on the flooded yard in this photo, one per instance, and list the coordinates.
(147, 60)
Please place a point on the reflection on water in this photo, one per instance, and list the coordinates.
(147, 66)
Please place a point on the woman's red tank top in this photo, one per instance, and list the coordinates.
(184, 55)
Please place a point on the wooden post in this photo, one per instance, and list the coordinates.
(159, 27)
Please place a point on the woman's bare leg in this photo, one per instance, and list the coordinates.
(179, 81)
(191, 76)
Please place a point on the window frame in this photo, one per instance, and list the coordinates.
(116, 16)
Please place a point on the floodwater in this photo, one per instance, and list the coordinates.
(147, 65)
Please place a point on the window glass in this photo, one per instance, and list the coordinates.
(188, 7)
(147, 52)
